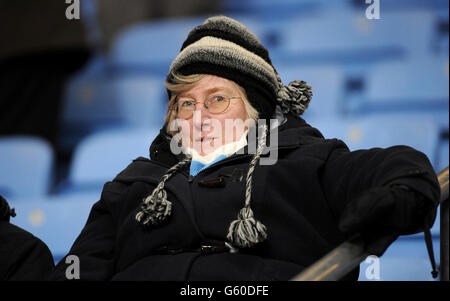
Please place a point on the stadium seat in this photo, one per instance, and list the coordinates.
(97, 101)
(56, 220)
(26, 167)
(93, 100)
(87, 104)
(405, 260)
(150, 46)
(436, 5)
(327, 83)
(383, 130)
(141, 100)
(349, 37)
(101, 156)
(420, 84)
(443, 155)
(283, 8)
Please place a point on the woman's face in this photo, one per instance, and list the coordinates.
(205, 131)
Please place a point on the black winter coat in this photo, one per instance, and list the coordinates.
(300, 199)
(23, 257)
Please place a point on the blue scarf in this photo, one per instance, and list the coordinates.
(197, 166)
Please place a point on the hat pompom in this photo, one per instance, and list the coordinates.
(246, 231)
(155, 209)
(295, 97)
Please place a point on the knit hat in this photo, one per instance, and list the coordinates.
(224, 47)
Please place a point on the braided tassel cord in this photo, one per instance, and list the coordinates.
(156, 208)
(246, 230)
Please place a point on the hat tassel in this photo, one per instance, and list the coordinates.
(246, 230)
(156, 208)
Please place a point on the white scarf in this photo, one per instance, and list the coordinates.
(200, 162)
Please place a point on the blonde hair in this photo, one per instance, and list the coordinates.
(184, 83)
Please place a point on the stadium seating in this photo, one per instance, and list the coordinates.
(417, 84)
(443, 154)
(283, 8)
(327, 83)
(86, 104)
(141, 100)
(150, 46)
(405, 260)
(89, 102)
(101, 156)
(349, 37)
(96, 100)
(56, 220)
(376, 83)
(383, 130)
(26, 167)
(437, 5)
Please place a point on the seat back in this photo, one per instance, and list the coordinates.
(384, 130)
(327, 83)
(151, 46)
(101, 156)
(56, 220)
(26, 166)
(350, 36)
(421, 83)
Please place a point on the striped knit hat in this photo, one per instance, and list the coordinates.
(224, 47)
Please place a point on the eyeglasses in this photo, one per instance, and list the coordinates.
(214, 104)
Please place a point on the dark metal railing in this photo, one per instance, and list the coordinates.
(347, 256)
(443, 181)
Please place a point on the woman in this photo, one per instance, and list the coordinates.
(205, 207)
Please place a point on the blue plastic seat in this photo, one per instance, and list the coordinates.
(96, 100)
(26, 166)
(56, 220)
(151, 46)
(349, 37)
(405, 260)
(101, 156)
(283, 8)
(95, 104)
(443, 155)
(327, 82)
(89, 102)
(383, 130)
(436, 5)
(421, 83)
(141, 100)
(96, 96)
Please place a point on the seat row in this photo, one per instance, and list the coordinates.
(28, 163)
